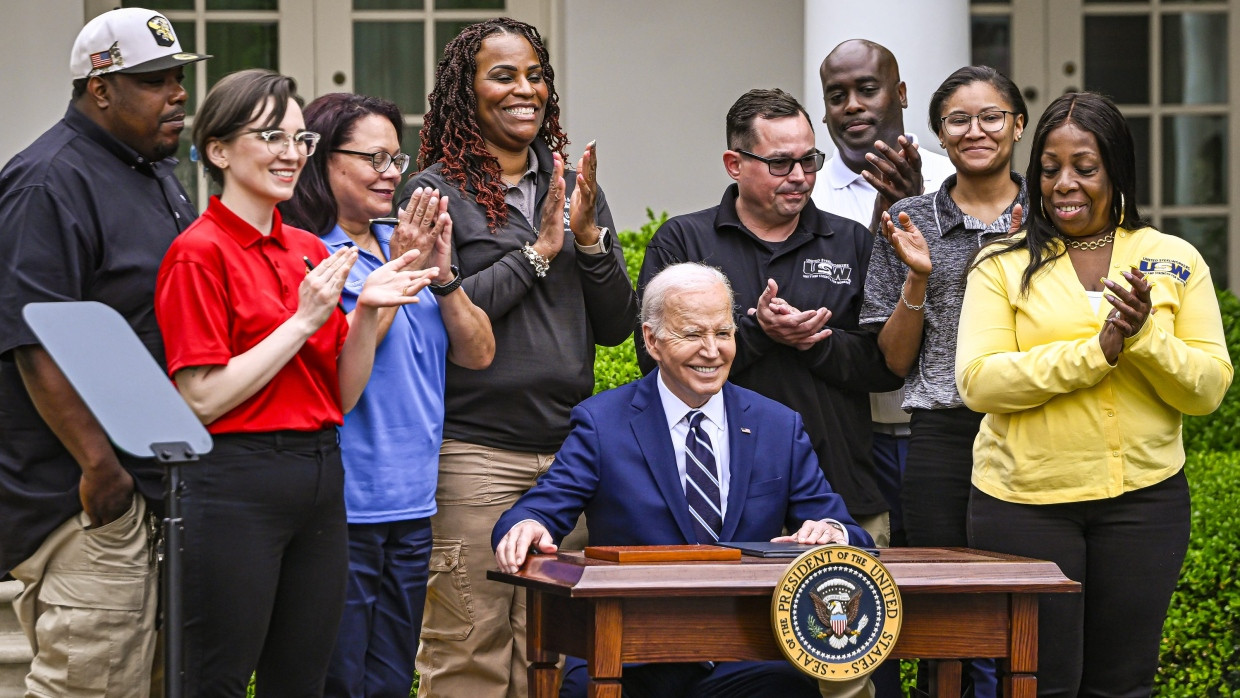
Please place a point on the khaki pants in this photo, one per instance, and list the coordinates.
(879, 528)
(473, 631)
(89, 606)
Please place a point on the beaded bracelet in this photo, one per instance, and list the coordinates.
(539, 262)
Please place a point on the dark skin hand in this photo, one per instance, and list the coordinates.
(106, 489)
(1132, 307)
(898, 175)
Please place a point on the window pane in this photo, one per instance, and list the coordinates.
(388, 60)
(1140, 127)
(1119, 73)
(164, 6)
(991, 39)
(411, 143)
(387, 4)
(185, 34)
(187, 171)
(445, 32)
(242, 5)
(469, 4)
(240, 45)
(1194, 53)
(1209, 236)
(1194, 160)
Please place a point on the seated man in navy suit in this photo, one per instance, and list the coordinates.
(683, 456)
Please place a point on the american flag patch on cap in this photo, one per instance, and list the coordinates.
(103, 59)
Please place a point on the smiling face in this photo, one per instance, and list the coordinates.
(978, 152)
(769, 200)
(251, 171)
(362, 193)
(697, 343)
(511, 94)
(864, 99)
(146, 111)
(1076, 191)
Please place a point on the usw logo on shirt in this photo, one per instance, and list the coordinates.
(826, 269)
(1166, 267)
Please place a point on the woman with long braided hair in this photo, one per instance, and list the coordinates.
(535, 253)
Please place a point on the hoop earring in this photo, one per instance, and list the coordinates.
(1042, 203)
(1121, 210)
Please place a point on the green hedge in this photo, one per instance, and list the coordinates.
(1201, 638)
(1218, 431)
(615, 366)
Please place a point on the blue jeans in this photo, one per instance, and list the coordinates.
(378, 638)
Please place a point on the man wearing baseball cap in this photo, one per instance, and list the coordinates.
(86, 213)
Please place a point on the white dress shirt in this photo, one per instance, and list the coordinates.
(845, 193)
(714, 422)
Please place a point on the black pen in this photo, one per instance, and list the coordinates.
(310, 268)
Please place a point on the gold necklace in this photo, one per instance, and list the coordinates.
(1092, 244)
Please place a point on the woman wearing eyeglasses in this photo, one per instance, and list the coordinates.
(552, 279)
(390, 441)
(914, 288)
(248, 309)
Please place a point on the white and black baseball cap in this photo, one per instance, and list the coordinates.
(128, 40)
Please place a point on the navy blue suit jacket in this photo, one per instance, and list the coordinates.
(619, 467)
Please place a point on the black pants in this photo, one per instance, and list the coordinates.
(937, 477)
(937, 480)
(266, 556)
(1126, 552)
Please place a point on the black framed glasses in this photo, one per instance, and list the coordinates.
(278, 141)
(990, 121)
(782, 167)
(381, 160)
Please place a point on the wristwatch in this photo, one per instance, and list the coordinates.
(598, 247)
(449, 287)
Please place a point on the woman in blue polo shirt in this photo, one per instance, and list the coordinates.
(390, 441)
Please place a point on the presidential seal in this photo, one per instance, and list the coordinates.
(836, 613)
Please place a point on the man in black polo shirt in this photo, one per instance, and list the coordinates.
(86, 213)
(798, 274)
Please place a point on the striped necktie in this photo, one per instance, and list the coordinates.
(702, 483)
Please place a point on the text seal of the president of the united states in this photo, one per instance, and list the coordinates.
(836, 612)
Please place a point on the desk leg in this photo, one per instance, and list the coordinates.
(945, 678)
(605, 637)
(542, 672)
(1021, 680)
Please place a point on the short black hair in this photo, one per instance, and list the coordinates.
(967, 76)
(765, 104)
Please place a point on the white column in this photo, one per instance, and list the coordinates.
(930, 39)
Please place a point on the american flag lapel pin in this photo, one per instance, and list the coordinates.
(745, 430)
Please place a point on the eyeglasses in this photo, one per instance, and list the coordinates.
(782, 167)
(381, 160)
(989, 121)
(278, 141)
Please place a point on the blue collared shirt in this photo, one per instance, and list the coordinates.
(390, 440)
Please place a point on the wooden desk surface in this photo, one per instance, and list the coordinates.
(916, 571)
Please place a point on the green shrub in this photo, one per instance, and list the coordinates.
(1201, 639)
(1219, 431)
(615, 366)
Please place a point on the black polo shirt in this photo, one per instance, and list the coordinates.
(82, 217)
(822, 263)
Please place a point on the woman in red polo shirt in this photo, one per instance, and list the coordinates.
(256, 346)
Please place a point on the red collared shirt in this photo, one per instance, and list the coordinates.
(222, 288)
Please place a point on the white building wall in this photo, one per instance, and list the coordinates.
(930, 40)
(653, 79)
(35, 40)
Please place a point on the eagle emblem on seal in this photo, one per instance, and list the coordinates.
(838, 611)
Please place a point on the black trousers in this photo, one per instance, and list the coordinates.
(937, 477)
(266, 555)
(1126, 552)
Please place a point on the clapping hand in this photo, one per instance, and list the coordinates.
(420, 224)
(319, 293)
(907, 241)
(581, 207)
(1131, 307)
(898, 171)
(787, 325)
(551, 227)
(394, 284)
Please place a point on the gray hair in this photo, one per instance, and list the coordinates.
(686, 276)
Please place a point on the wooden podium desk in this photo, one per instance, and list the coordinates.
(958, 603)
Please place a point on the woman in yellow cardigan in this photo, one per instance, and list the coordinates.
(1085, 339)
